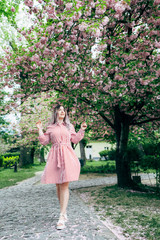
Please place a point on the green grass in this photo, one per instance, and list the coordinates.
(137, 213)
(99, 167)
(97, 163)
(9, 178)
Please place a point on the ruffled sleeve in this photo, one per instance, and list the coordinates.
(45, 138)
(76, 137)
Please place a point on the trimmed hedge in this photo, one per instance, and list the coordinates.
(108, 154)
(9, 159)
(104, 154)
(11, 154)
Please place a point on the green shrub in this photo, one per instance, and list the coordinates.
(106, 168)
(108, 154)
(151, 148)
(150, 162)
(10, 161)
(11, 154)
(112, 154)
(134, 154)
(104, 154)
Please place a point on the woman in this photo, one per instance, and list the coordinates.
(62, 164)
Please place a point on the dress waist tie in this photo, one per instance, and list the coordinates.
(59, 151)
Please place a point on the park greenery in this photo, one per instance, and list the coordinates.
(130, 214)
(100, 59)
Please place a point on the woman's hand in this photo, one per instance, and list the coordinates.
(83, 126)
(39, 124)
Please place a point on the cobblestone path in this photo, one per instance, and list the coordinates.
(30, 210)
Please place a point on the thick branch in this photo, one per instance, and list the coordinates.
(146, 121)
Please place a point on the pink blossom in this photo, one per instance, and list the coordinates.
(28, 3)
(158, 56)
(34, 66)
(61, 79)
(106, 88)
(100, 10)
(102, 47)
(88, 11)
(73, 69)
(35, 10)
(119, 7)
(44, 40)
(157, 2)
(143, 82)
(75, 49)
(62, 41)
(96, 32)
(69, 6)
(105, 20)
(67, 65)
(50, 67)
(67, 46)
(12, 9)
(79, 4)
(23, 33)
(77, 16)
(118, 77)
(83, 26)
(46, 75)
(31, 49)
(46, 51)
(69, 23)
(92, 4)
(37, 45)
(50, 28)
(157, 44)
(158, 73)
(35, 58)
(59, 28)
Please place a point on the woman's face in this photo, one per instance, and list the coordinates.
(61, 113)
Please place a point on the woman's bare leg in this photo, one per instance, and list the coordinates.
(64, 197)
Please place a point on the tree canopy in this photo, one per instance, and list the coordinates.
(102, 57)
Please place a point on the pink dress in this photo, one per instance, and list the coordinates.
(62, 163)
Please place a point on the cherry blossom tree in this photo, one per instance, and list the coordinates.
(102, 57)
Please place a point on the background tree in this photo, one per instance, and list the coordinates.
(102, 57)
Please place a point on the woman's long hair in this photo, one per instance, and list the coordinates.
(54, 118)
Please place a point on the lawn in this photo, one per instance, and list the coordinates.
(9, 178)
(96, 163)
(99, 167)
(134, 215)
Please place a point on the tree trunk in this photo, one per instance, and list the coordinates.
(26, 156)
(122, 162)
(32, 155)
(82, 151)
(41, 155)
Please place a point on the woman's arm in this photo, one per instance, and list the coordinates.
(44, 138)
(76, 137)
